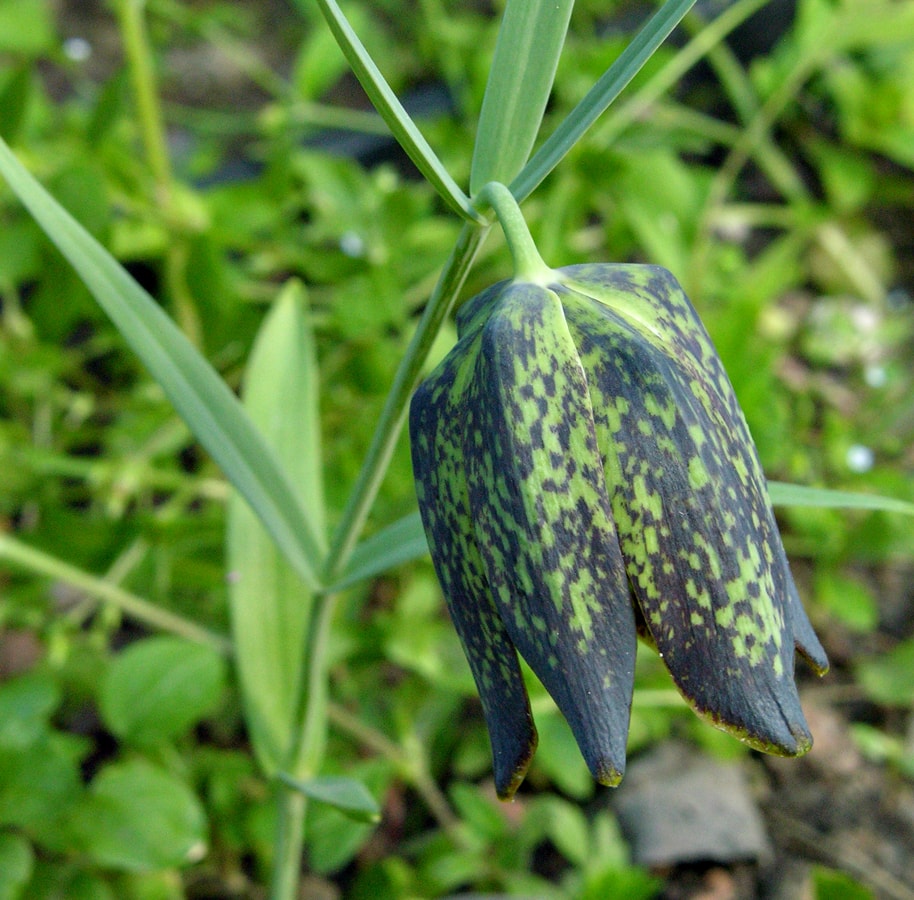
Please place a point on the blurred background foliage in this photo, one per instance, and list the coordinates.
(775, 178)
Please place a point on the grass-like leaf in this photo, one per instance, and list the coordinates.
(398, 543)
(391, 110)
(799, 495)
(600, 96)
(270, 605)
(200, 396)
(346, 795)
(527, 52)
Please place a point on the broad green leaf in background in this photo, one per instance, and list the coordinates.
(889, 677)
(39, 768)
(197, 392)
(157, 688)
(16, 863)
(26, 704)
(348, 795)
(137, 817)
(26, 27)
(832, 884)
(14, 101)
(270, 604)
(527, 52)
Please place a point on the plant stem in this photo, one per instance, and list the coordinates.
(528, 264)
(290, 839)
(305, 754)
(414, 771)
(393, 415)
(149, 112)
(155, 145)
(130, 604)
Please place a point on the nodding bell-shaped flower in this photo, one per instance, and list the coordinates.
(585, 476)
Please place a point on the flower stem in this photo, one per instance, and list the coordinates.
(528, 264)
(305, 754)
(393, 415)
(290, 840)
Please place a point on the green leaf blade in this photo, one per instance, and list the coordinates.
(783, 494)
(401, 542)
(139, 818)
(17, 860)
(599, 97)
(527, 52)
(347, 795)
(157, 688)
(270, 604)
(198, 394)
(391, 110)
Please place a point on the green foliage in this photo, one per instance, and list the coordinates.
(777, 189)
(136, 818)
(157, 688)
(270, 604)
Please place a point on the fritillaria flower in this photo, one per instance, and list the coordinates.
(585, 477)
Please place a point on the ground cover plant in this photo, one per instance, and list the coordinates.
(215, 691)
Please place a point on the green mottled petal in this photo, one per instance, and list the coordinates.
(475, 312)
(803, 635)
(696, 528)
(437, 415)
(543, 520)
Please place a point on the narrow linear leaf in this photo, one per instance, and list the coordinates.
(527, 53)
(399, 543)
(270, 604)
(600, 96)
(199, 395)
(347, 795)
(799, 495)
(391, 110)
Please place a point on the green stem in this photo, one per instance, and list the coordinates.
(393, 415)
(155, 144)
(290, 840)
(306, 753)
(133, 606)
(414, 771)
(142, 75)
(528, 264)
